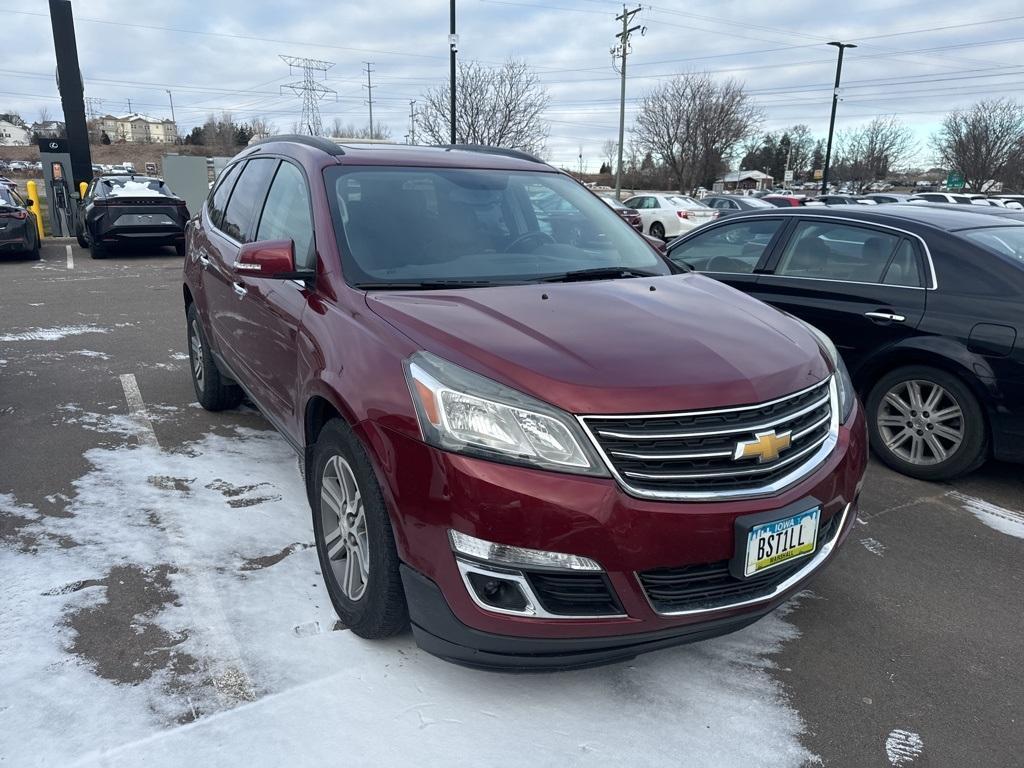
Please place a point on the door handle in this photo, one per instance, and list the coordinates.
(240, 289)
(202, 257)
(888, 317)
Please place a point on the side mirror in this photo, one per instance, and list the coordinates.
(273, 259)
(29, 203)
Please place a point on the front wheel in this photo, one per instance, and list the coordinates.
(926, 423)
(658, 230)
(354, 540)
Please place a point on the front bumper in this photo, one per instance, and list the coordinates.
(590, 517)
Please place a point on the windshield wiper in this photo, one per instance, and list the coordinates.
(599, 273)
(428, 285)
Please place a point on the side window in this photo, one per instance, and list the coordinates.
(905, 267)
(250, 189)
(286, 214)
(218, 201)
(837, 252)
(652, 202)
(731, 248)
(635, 203)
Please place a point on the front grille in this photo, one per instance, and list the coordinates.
(692, 453)
(574, 594)
(711, 585)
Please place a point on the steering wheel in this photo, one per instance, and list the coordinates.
(541, 237)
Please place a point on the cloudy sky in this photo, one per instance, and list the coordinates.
(915, 59)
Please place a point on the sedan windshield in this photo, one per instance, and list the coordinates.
(1005, 241)
(443, 227)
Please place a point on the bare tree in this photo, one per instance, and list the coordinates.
(610, 151)
(691, 124)
(262, 127)
(352, 131)
(219, 133)
(44, 114)
(494, 107)
(868, 153)
(984, 142)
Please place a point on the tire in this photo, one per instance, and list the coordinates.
(98, 250)
(35, 254)
(905, 438)
(658, 230)
(80, 237)
(212, 391)
(371, 604)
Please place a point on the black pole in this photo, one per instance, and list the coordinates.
(453, 42)
(832, 121)
(69, 81)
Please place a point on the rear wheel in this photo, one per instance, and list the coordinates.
(212, 391)
(354, 540)
(926, 423)
(98, 250)
(658, 230)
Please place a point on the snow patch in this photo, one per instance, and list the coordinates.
(874, 546)
(91, 353)
(902, 747)
(1008, 521)
(318, 693)
(52, 334)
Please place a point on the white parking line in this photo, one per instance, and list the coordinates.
(71, 257)
(224, 661)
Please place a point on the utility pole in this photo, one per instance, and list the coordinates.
(309, 90)
(453, 45)
(369, 92)
(832, 121)
(129, 106)
(621, 51)
(412, 121)
(581, 163)
(171, 98)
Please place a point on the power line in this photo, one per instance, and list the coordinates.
(311, 91)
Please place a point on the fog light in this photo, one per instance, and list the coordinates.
(518, 556)
(497, 592)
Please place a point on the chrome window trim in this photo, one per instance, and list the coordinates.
(808, 467)
(934, 283)
(534, 609)
(812, 565)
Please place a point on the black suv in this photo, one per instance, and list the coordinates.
(121, 210)
(924, 303)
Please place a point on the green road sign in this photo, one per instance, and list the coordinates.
(955, 180)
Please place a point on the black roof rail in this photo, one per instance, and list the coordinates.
(317, 142)
(517, 154)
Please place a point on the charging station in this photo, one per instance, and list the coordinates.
(61, 192)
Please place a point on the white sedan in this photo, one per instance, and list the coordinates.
(668, 215)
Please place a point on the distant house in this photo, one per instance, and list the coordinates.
(49, 129)
(736, 180)
(134, 128)
(12, 135)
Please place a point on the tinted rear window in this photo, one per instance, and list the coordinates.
(1005, 241)
(247, 196)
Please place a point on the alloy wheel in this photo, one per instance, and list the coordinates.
(343, 525)
(196, 343)
(921, 422)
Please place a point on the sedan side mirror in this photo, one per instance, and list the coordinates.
(29, 203)
(274, 259)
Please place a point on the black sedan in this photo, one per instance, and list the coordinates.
(926, 305)
(19, 232)
(727, 205)
(119, 210)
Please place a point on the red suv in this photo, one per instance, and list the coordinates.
(523, 430)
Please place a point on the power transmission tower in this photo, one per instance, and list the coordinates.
(412, 121)
(311, 91)
(369, 92)
(93, 106)
(621, 51)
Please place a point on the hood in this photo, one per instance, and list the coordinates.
(639, 345)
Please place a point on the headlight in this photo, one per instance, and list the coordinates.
(847, 395)
(464, 412)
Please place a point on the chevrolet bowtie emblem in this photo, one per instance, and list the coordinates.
(766, 446)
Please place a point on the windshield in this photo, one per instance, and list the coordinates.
(1005, 241)
(682, 201)
(421, 226)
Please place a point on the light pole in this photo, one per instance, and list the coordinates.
(832, 122)
(169, 96)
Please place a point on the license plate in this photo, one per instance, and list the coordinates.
(777, 542)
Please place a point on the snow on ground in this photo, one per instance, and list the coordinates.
(903, 747)
(1008, 521)
(51, 334)
(175, 615)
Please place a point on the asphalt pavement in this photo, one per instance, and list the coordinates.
(906, 651)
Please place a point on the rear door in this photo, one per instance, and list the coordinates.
(275, 307)
(231, 318)
(862, 284)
